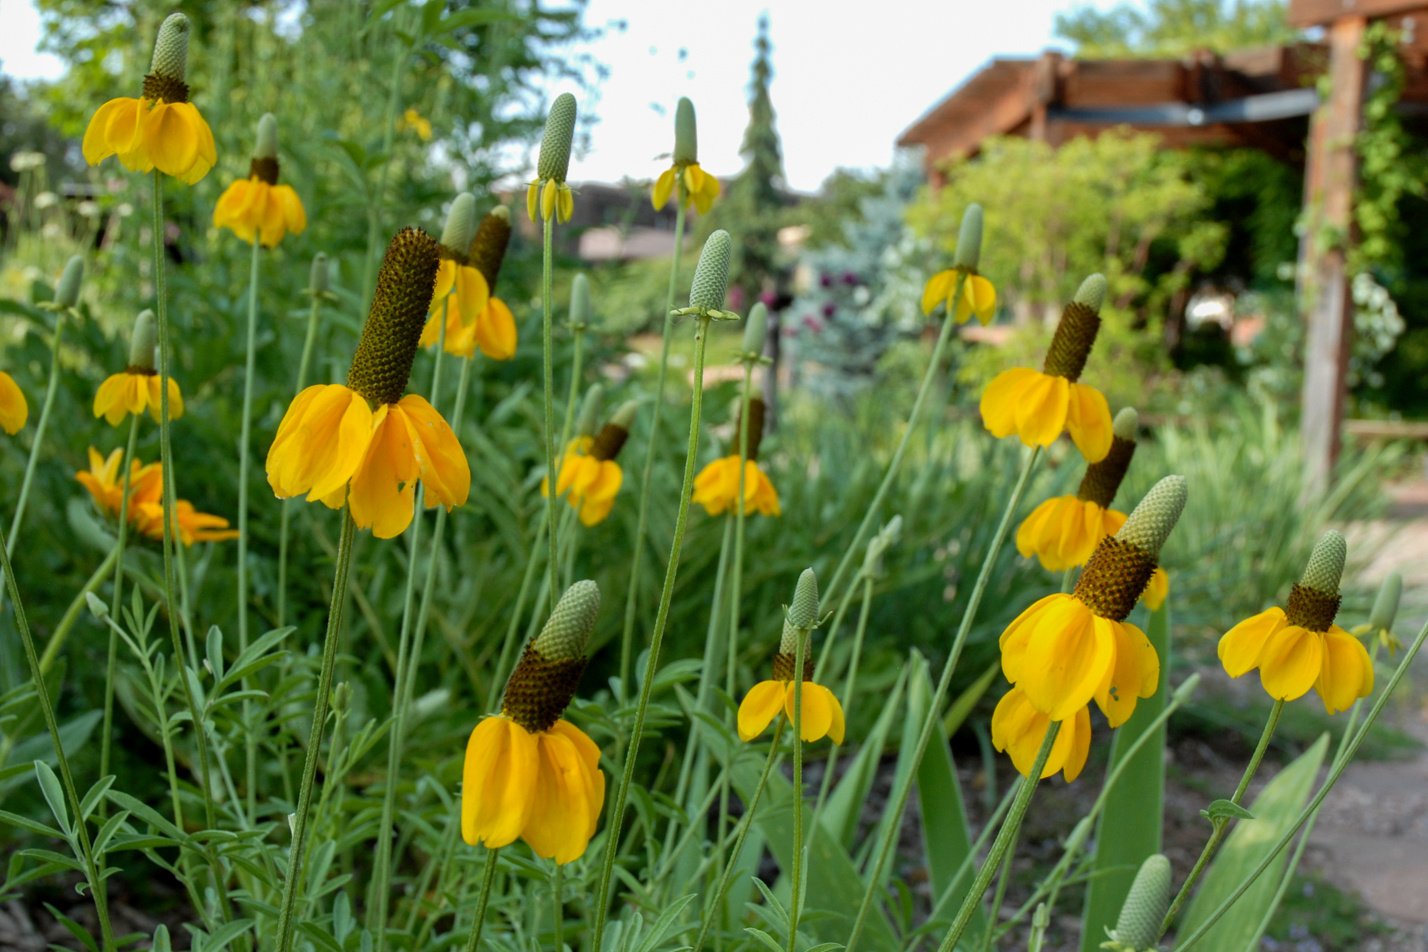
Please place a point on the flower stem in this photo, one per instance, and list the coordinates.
(796, 883)
(116, 602)
(97, 887)
(547, 283)
(555, 889)
(574, 393)
(1222, 824)
(736, 587)
(37, 447)
(641, 519)
(746, 822)
(250, 735)
(849, 685)
(934, 707)
(617, 815)
(488, 876)
(1336, 770)
(170, 496)
(1001, 846)
(309, 340)
(286, 921)
(948, 323)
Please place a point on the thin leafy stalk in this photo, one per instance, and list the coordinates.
(1001, 846)
(934, 707)
(578, 350)
(286, 920)
(617, 816)
(1222, 824)
(488, 876)
(250, 735)
(309, 340)
(547, 282)
(637, 557)
(796, 883)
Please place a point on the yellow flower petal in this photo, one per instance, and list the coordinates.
(1002, 397)
(1041, 412)
(1014, 639)
(1240, 647)
(663, 188)
(1088, 419)
(1291, 662)
(1067, 658)
(561, 801)
(495, 331)
(817, 714)
(1156, 589)
(759, 708)
(497, 782)
(979, 297)
(170, 139)
(1136, 673)
(1347, 672)
(937, 290)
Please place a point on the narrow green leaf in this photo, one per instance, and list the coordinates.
(34, 826)
(1226, 810)
(53, 794)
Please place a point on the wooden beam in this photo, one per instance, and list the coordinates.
(1304, 13)
(1330, 174)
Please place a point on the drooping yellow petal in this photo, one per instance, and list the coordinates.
(817, 714)
(497, 782)
(171, 141)
(1156, 589)
(548, 199)
(590, 756)
(113, 129)
(442, 465)
(1067, 657)
(383, 490)
(320, 442)
(1078, 745)
(663, 188)
(1291, 662)
(937, 290)
(561, 801)
(567, 202)
(1015, 638)
(1088, 419)
(1136, 672)
(532, 198)
(495, 331)
(979, 297)
(1347, 672)
(1041, 412)
(759, 707)
(1001, 399)
(1240, 647)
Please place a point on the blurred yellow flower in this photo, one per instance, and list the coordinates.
(1038, 407)
(133, 391)
(588, 482)
(696, 187)
(978, 296)
(822, 714)
(416, 122)
(716, 488)
(252, 208)
(493, 332)
(1062, 532)
(14, 411)
(1018, 728)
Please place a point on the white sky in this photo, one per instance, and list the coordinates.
(848, 77)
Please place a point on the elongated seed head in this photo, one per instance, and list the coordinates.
(1149, 524)
(1126, 425)
(1138, 927)
(590, 410)
(545, 679)
(320, 279)
(171, 48)
(711, 274)
(969, 239)
(580, 301)
(1385, 604)
(756, 328)
(568, 630)
(382, 364)
(1326, 564)
(67, 291)
(686, 139)
(625, 414)
(488, 248)
(460, 226)
(143, 341)
(555, 145)
(1092, 292)
(803, 612)
(1076, 332)
(267, 144)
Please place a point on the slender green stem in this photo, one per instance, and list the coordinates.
(250, 734)
(97, 887)
(736, 588)
(488, 876)
(37, 447)
(557, 907)
(1336, 770)
(627, 634)
(170, 505)
(998, 896)
(617, 816)
(796, 883)
(717, 899)
(574, 392)
(547, 283)
(286, 920)
(934, 707)
(849, 685)
(116, 600)
(408, 659)
(1001, 846)
(309, 340)
(948, 323)
(1222, 824)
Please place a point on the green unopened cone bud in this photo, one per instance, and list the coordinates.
(625, 416)
(1092, 292)
(341, 697)
(878, 546)
(382, 364)
(756, 329)
(1326, 564)
(1149, 524)
(488, 248)
(686, 139)
(1385, 604)
(460, 224)
(1126, 425)
(67, 291)
(580, 302)
(969, 239)
(320, 279)
(171, 48)
(804, 610)
(554, 162)
(267, 145)
(568, 630)
(143, 341)
(711, 274)
(590, 410)
(1138, 927)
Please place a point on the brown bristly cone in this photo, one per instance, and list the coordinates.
(167, 88)
(1114, 578)
(1103, 478)
(382, 364)
(783, 667)
(488, 248)
(755, 425)
(540, 689)
(609, 441)
(1311, 609)
(264, 170)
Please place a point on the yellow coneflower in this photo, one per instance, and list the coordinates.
(257, 207)
(1018, 729)
(1299, 647)
(491, 327)
(1038, 405)
(161, 129)
(14, 411)
(548, 192)
(822, 715)
(137, 388)
(979, 296)
(716, 488)
(529, 774)
(146, 489)
(416, 122)
(105, 483)
(1067, 650)
(696, 186)
(333, 446)
(192, 525)
(588, 475)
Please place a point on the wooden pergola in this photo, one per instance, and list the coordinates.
(1265, 99)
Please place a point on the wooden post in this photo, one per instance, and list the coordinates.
(1330, 175)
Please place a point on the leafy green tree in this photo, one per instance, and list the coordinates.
(1164, 28)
